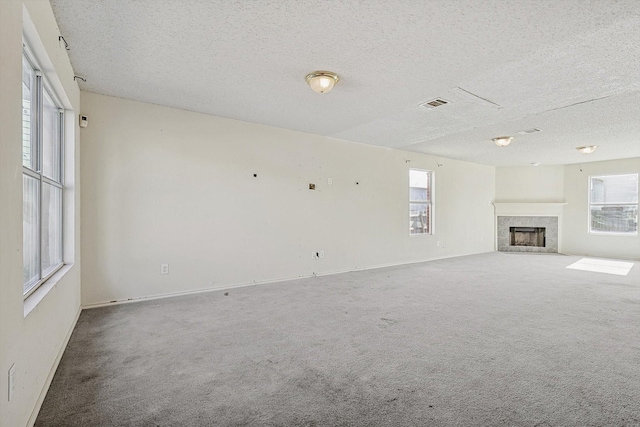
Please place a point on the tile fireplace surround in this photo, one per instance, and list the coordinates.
(547, 215)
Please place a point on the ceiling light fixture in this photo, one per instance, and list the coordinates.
(535, 164)
(322, 81)
(588, 149)
(502, 141)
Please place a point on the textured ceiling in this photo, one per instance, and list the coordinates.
(568, 67)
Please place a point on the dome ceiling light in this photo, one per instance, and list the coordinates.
(322, 81)
(502, 141)
(587, 149)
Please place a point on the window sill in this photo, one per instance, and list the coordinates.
(38, 295)
(604, 233)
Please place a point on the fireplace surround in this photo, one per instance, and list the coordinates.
(528, 227)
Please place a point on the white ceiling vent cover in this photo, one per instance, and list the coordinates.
(434, 103)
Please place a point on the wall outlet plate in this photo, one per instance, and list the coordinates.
(164, 268)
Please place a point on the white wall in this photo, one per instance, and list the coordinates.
(569, 184)
(529, 184)
(162, 185)
(33, 343)
(577, 239)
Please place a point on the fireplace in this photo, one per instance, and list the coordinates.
(527, 236)
(528, 227)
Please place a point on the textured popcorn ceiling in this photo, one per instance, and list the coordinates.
(568, 67)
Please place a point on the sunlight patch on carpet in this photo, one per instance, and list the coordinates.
(607, 266)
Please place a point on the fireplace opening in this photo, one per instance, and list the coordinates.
(527, 236)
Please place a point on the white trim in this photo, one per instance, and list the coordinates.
(589, 205)
(43, 89)
(529, 209)
(38, 294)
(430, 203)
(591, 255)
(264, 282)
(614, 233)
(52, 371)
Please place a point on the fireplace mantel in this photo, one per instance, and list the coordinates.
(529, 209)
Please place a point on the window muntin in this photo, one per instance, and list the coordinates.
(420, 202)
(42, 154)
(613, 204)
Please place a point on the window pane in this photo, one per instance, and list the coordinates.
(418, 194)
(419, 201)
(419, 217)
(30, 232)
(51, 228)
(614, 219)
(50, 138)
(418, 178)
(29, 154)
(614, 189)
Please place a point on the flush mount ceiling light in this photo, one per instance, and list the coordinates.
(535, 164)
(322, 81)
(502, 141)
(587, 149)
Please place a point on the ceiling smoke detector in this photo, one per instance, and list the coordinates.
(528, 131)
(434, 103)
(587, 149)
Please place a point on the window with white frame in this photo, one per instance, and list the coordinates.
(420, 201)
(613, 204)
(42, 177)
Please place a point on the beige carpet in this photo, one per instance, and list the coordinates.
(484, 340)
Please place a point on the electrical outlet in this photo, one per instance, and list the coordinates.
(12, 381)
(164, 268)
(321, 254)
(315, 255)
(330, 181)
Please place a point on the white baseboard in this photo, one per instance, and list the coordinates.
(600, 256)
(52, 372)
(254, 283)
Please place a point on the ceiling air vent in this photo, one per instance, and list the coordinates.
(527, 131)
(434, 103)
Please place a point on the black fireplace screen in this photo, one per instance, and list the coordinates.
(527, 236)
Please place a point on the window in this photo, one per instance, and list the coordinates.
(613, 204)
(420, 202)
(42, 185)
